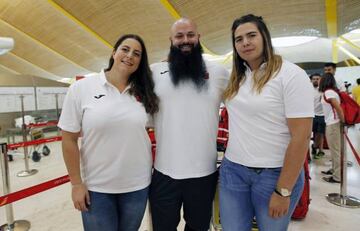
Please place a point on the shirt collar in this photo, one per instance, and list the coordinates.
(248, 69)
(103, 77)
(105, 82)
(127, 88)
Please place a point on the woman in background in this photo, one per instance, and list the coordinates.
(334, 115)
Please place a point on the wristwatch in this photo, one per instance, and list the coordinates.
(284, 192)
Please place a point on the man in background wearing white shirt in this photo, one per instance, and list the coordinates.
(319, 120)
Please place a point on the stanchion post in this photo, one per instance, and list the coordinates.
(57, 110)
(27, 171)
(342, 199)
(343, 163)
(57, 106)
(20, 225)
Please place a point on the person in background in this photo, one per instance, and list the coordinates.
(190, 91)
(356, 91)
(110, 112)
(319, 120)
(270, 106)
(334, 116)
(330, 68)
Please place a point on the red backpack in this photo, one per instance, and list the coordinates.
(349, 106)
(223, 130)
(151, 134)
(302, 207)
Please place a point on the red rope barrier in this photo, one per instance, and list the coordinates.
(15, 196)
(34, 142)
(353, 149)
(54, 123)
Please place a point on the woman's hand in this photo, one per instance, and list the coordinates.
(80, 196)
(278, 206)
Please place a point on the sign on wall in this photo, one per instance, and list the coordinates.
(46, 97)
(10, 99)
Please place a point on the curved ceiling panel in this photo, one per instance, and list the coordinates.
(348, 15)
(32, 51)
(292, 18)
(41, 21)
(64, 38)
(22, 66)
(110, 19)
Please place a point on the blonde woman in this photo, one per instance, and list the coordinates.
(270, 106)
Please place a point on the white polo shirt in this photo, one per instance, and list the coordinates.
(115, 148)
(331, 116)
(317, 102)
(187, 123)
(258, 130)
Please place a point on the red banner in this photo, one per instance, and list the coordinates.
(15, 196)
(34, 142)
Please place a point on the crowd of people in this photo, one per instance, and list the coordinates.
(270, 103)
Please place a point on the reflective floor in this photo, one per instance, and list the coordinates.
(53, 210)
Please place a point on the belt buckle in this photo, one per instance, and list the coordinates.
(257, 170)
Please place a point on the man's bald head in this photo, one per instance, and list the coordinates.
(184, 35)
(183, 22)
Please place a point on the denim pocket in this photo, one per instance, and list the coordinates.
(233, 176)
(224, 177)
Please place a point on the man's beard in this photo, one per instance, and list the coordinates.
(187, 66)
(315, 85)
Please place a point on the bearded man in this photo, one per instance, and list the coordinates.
(190, 91)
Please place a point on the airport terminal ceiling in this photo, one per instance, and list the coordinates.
(58, 39)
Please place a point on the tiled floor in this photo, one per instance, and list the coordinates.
(52, 209)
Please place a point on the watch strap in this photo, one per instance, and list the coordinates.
(279, 193)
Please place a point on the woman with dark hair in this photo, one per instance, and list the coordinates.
(270, 106)
(110, 112)
(334, 115)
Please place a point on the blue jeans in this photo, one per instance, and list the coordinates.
(115, 212)
(246, 192)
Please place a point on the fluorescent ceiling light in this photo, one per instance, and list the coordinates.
(292, 41)
(6, 45)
